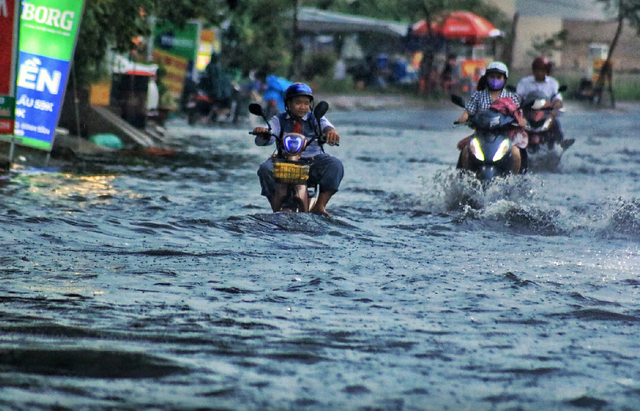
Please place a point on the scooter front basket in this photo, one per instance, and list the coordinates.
(290, 173)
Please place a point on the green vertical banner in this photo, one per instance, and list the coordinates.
(48, 33)
(9, 13)
(176, 48)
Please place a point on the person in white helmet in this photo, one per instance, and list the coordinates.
(491, 87)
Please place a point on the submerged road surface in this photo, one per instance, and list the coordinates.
(132, 283)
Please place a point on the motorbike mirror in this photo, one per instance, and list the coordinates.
(321, 109)
(256, 109)
(457, 100)
(562, 88)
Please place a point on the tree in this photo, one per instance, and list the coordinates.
(546, 46)
(258, 37)
(628, 11)
(116, 23)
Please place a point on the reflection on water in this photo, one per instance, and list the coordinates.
(422, 291)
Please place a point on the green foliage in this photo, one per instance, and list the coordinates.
(628, 10)
(258, 37)
(626, 88)
(319, 64)
(115, 23)
(546, 46)
(328, 84)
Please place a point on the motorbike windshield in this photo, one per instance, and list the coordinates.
(488, 136)
(490, 119)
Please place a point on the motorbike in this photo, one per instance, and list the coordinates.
(546, 142)
(490, 145)
(201, 107)
(290, 170)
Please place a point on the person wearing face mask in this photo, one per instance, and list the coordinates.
(491, 87)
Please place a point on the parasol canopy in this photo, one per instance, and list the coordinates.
(458, 25)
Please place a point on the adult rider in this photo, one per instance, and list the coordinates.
(491, 87)
(542, 81)
(325, 170)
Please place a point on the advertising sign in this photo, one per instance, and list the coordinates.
(176, 49)
(9, 10)
(48, 32)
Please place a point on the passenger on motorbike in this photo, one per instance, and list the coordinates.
(542, 81)
(325, 170)
(491, 87)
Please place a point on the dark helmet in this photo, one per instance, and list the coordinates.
(298, 89)
(542, 63)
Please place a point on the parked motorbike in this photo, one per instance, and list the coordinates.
(490, 145)
(290, 170)
(201, 107)
(546, 141)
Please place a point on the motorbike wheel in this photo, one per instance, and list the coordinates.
(294, 205)
(192, 118)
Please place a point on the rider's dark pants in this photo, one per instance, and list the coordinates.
(556, 131)
(325, 171)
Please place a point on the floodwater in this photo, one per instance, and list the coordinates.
(136, 283)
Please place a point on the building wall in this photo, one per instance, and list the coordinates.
(507, 6)
(530, 29)
(575, 53)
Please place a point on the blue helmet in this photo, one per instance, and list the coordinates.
(298, 89)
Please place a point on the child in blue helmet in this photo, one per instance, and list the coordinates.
(325, 170)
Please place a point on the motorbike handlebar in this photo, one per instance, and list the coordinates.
(261, 134)
(321, 139)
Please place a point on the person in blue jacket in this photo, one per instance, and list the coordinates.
(273, 94)
(325, 170)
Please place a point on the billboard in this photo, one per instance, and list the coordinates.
(48, 33)
(176, 49)
(9, 11)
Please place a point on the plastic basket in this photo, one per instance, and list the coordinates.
(289, 173)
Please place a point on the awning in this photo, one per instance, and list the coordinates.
(322, 21)
(458, 25)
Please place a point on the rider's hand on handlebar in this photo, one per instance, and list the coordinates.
(557, 105)
(332, 137)
(260, 130)
(463, 118)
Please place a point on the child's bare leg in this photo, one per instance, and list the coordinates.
(321, 203)
(517, 160)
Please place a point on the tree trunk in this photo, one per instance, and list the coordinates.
(606, 71)
(426, 65)
(507, 54)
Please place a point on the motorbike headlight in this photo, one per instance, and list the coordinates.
(503, 149)
(476, 150)
(539, 103)
(293, 143)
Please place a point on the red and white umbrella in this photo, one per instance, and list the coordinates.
(458, 25)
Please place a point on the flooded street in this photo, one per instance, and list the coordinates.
(133, 283)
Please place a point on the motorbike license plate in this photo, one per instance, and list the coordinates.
(290, 173)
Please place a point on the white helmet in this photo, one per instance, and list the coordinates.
(498, 67)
